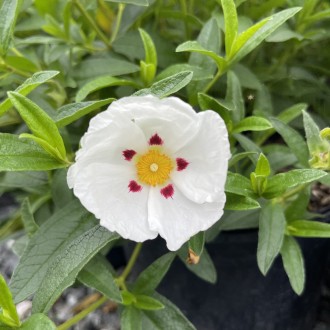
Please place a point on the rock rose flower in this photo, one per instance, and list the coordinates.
(150, 166)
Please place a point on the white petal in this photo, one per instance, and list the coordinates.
(172, 119)
(207, 153)
(178, 218)
(103, 190)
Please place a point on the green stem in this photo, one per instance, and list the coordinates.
(121, 8)
(184, 9)
(131, 262)
(69, 323)
(91, 22)
(213, 81)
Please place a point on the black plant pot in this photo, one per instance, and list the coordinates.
(242, 298)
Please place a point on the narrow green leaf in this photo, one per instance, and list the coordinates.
(314, 141)
(38, 322)
(293, 263)
(147, 303)
(24, 155)
(262, 33)
(205, 269)
(8, 313)
(196, 243)
(132, 2)
(168, 85)
(100, 83)
(309, 228)
(263, 167)
(293, 139)
(234, 96)
(73, 111)
(241, 155)
(65, 268)
(252, 123)
(238, 184)
(149, 48)
(28, 219)
(98, 274)
(53, 235)
(28, 86)
(271, 234)
(162, 319)
(41, 125)
(150, 278)
(194, 46)
(231, 23)
(281, 182)
(236, 202)
(8, 15)
(131, 318)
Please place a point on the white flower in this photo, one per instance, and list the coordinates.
(148, 166)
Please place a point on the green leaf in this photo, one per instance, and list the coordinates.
(207, 102)
(293, 139)
(308, 228)
(28, 86)
(147, 303)
(38, 322)
(238, 184)
(252, 123)
(28, 219)
(53, 236)
(168, 85)
(132, 2)
(315, 143)
(8, 313)
(239, 156)
(262, 33)
(24, 155)
(150, 278)
(242, 38)
(205, 269)
(21, 63)
(231, 23)
(281, 182)
(73, 111)
(162, 319)
(61, 193)
(236, 202)
(41, 125)
(149, 48)
(263, 167)
(194, 46)
(98, 274)
(196, 243)
(8, 15)
(293, 263)
(100, 83)
(65, 268)
(271, 234)
(131, 318)
(234, 96)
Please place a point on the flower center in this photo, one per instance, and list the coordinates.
(154, 167)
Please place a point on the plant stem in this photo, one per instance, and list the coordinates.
(121, 8)
(184, 9)
(82, 314)
(91, 22)
(131, 262)
(212, 82)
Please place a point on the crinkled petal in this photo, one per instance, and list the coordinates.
(207, 153)
(103, 190)
(178, 218)
(172, 119)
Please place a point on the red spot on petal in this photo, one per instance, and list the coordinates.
(181, 164)
(133, 186)
(155, 140)
(128, 154)
(167, 191)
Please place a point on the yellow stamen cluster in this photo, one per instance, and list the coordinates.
(154, 167)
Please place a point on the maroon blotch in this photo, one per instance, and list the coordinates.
(133, 186)
(129, 154)
(181, 164)
(155, 140)
(167, 191)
